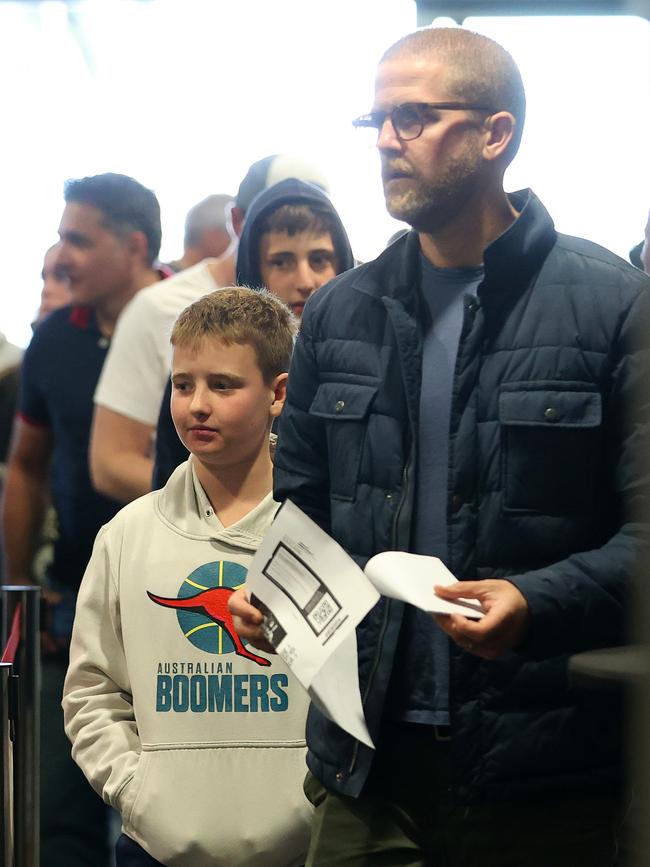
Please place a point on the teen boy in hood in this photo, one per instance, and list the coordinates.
(293, 242)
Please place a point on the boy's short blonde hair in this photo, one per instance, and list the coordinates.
(237, 314)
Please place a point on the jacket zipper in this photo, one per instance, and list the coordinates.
(405, 489)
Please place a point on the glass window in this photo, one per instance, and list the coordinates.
(184, 96)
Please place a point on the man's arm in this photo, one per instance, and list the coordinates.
(127, 401)
(25, 498)
(121, 464)
(300, 463)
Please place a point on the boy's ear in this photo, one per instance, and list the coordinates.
(279, 386)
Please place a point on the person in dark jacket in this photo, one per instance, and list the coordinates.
(292, 242)
(470, 395)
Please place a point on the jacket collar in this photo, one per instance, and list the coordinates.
(516, 256)
(511, 260)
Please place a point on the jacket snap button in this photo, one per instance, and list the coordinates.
(338, 406)
(550, 413)
(339, 777)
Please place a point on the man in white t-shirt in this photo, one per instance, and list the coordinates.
(130, 390)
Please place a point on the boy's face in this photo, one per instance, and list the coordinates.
(221, 406)
(295, 266)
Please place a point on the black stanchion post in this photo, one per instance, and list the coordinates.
(6, 776)
(26, 749)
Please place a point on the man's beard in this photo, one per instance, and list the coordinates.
(431, 205)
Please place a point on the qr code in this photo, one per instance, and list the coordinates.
(323, 611)
(288, 653)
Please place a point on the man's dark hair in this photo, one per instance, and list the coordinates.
(126, 204)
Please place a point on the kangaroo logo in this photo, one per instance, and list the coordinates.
(202, 609)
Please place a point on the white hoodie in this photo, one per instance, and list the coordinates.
(200, 749)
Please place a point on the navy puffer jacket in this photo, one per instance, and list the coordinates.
(544, 486)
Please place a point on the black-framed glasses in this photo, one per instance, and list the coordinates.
(409, 119)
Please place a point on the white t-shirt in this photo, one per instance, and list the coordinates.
(137, 366)
(10, 355)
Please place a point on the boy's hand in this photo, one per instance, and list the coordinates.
(504, 624)
(247, 620)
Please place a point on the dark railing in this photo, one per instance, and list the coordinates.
(6, 781)
(20, 719)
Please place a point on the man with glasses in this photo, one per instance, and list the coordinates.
(467, 395)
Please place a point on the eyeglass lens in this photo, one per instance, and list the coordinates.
(407, 121)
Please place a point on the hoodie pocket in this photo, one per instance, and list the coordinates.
(550, 446)
(132, 790)
(212, 807)
(345, 408)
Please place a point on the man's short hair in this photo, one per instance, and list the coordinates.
(209, 213)
(273, 169)
(126, 204)
(240, 315)
(480, 70)
(295, 219)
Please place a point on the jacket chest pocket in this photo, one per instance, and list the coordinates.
(345, 408)
(550, 448)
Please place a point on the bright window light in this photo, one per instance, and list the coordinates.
(584, 150)
(184, 96)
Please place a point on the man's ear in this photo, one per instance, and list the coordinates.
(237, 220)
(279, 386)
(501, 129)
(137, 244)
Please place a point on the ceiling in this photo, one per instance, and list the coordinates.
(427, 10)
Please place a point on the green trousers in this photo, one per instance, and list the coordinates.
(406, 817)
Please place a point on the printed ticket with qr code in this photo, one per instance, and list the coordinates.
(313, 595)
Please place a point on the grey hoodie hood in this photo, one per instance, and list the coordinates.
(288, 192)
(184, 506)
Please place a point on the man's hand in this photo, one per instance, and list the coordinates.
(247, 620)
(501, 629)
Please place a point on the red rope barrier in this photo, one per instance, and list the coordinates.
(9, 654)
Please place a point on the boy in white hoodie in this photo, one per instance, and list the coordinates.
(196, 740)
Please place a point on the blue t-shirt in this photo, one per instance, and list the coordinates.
(59, 373)
(423, 655)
